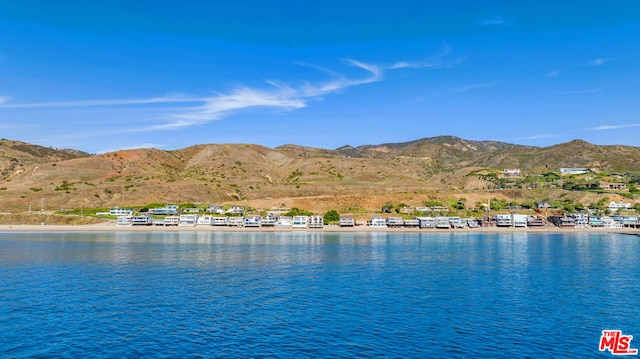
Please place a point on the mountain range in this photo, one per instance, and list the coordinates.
(63, 178)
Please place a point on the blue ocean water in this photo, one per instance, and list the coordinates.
(320, 295)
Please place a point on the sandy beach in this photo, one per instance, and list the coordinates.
(112, 227)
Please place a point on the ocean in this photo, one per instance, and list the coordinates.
(316, 295)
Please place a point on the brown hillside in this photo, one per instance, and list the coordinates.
(243, 172)
(15, 156)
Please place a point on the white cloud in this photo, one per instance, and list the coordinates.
(537, 137)
(554, 73)
(95, 103)
(279, 96)
(612, 127)
(435, 62)
(474, 87)
(4, 99)
(598, 62)
(190, 111)
(496, 20)
(575, 92)
(316, 67)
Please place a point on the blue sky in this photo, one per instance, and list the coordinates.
(106, 75)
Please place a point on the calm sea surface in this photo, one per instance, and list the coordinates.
(297, 295)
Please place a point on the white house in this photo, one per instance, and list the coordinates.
(188, 220)
(614, 206)
(215, 209)
(165, 210)
(300, 221)
(511, 172)
(236, 210)
(378, 221)
(573, 171)
(191, 210)
(117, 211)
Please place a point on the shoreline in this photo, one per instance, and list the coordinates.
(112, 227)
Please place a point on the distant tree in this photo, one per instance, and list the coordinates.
(400, 207)
(432, 203)
(298, 212)
(528, 204)
(332, 216)
(498, 204)
(387, 207)
(461, 204)
(146, 207)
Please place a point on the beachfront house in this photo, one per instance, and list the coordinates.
(442, 222)
(378, 221)
(215, 209)
(124, 220)
(252, 221)
(426, 222)
(219, 221)
(268, 221)
(164, 211)
(284, 222)
(316, 222)
(171, 220)
(347, 221)
(141, 221)
(235, 222)
(519, 220)
(394, 222)
(117, 211)
(205, 220)
(191, 210)
(300, 221)
(188, 220)
(239, 210)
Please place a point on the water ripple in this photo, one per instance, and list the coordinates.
(292, 295)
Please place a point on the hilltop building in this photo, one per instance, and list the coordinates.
(613, 186)
(614, 206)
(573, 171)
(511, 173)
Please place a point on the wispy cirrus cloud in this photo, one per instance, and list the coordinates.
(598, 62)
(605, 60)
(191, 111)
(4, 99)
(97, 103)
(435, 62)
(474, 87)
(278, 96)
(552, 74)
(612, 127)
(496, 20)
(537, 137)
(575, 92)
